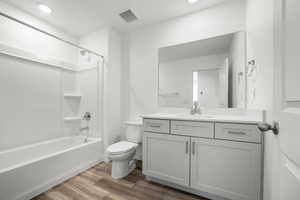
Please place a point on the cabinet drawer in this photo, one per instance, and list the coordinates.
(195, 129)
(238, 132)
(156, 125)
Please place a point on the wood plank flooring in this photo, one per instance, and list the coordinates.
(97, 184)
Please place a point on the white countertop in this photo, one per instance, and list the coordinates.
(205, 118)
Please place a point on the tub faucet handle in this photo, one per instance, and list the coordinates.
(87, 116)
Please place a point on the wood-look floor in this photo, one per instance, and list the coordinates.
(97, 184)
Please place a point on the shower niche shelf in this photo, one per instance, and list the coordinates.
(72, 96)
(72, 119)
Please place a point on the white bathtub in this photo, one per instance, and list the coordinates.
(30, 170)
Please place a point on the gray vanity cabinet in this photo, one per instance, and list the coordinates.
(167, 157)
(205, 157)
(226, 168)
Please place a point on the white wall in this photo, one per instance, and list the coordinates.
(29, 103)
(112, 88)
(260, 46)
(143, 45)
(89, 87)
(107, 42)
(31, 108)
(97, 41)
(177, 76)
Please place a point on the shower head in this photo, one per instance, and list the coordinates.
(83, 52)
(86, 54)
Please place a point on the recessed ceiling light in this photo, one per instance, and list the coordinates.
(192, 1)
(45, 8)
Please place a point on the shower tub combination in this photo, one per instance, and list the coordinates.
(30, 170)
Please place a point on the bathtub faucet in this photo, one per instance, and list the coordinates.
(86, 117)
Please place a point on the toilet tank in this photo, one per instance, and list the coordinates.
(133, 131)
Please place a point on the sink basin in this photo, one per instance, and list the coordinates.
(184, 116)
(196, 116)
(202, 117)
(206, 116)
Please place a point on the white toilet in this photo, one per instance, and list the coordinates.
(122, 153)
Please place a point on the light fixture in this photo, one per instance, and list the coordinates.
(45, 8)
(192, 1)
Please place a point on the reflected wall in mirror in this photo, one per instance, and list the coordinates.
(210, 72)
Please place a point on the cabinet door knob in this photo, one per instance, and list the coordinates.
(264, 127)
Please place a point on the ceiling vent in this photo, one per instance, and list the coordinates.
(128, 16)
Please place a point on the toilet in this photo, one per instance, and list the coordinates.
(122, 153)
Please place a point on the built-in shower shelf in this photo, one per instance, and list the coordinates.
(72, 96)
(72, 119)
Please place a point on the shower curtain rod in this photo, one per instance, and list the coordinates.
(49, 34)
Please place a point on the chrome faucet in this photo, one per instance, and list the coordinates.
(195, 109)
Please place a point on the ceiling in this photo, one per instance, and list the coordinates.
(79, 17)
(211, 46)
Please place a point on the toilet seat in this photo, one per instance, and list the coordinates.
(121, 148)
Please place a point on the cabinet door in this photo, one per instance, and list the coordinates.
(166, 157)
(225, 168)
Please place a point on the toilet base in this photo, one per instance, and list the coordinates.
(121, 169)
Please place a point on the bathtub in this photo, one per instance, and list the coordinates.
(30, 170)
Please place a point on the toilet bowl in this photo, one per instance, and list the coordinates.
(122, 153)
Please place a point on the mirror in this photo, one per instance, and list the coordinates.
(209, 71)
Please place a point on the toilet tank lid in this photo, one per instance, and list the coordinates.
(135, 123)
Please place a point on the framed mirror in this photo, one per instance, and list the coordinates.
(210, 72)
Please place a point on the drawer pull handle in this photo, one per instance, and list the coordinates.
(155, 126)
(237, 132)
(187, 147)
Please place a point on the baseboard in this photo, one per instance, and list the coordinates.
(57, 180)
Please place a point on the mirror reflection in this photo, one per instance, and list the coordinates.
(210, 72)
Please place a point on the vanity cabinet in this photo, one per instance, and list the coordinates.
(222, 159)
(226, 168)
(167, 157)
